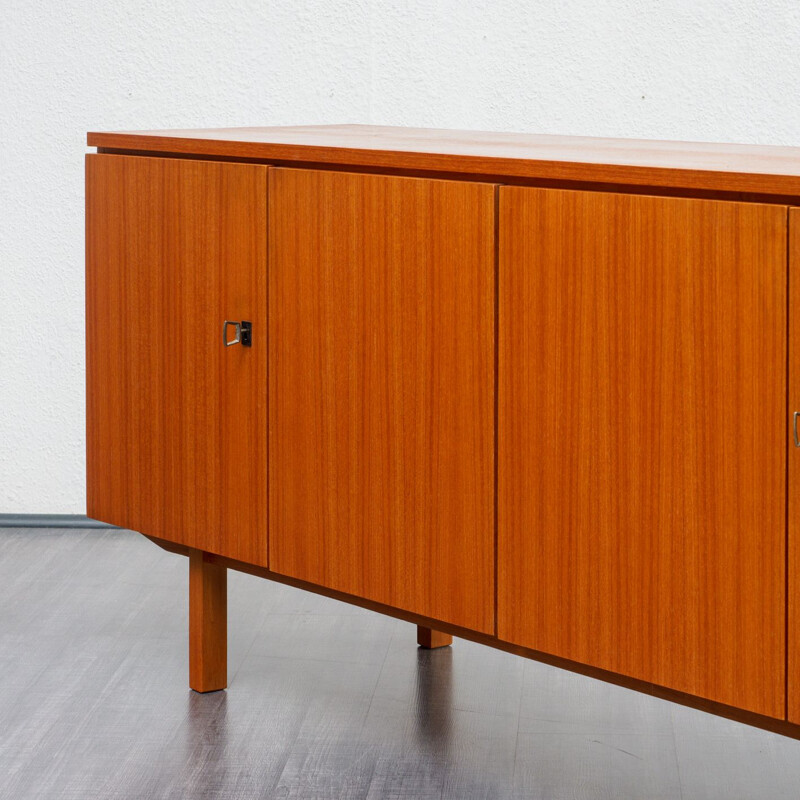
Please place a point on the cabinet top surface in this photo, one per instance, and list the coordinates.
(643, 162)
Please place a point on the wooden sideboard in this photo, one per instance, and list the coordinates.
(534, 391)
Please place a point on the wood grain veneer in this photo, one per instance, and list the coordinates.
(642, 449)
(687, 165)
(646, 519)
(176, 422)
(381, 432)
(793, 482)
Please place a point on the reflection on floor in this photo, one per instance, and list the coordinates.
(325, 700)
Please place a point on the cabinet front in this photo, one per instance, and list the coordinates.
(176, 431)
(381, 375)
(642, 438)
(793, 485)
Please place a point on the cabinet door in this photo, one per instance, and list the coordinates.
(793, 628)
(381, 389)
(176, 421)
(642, 438)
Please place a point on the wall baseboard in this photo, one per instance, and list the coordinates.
(50, 521)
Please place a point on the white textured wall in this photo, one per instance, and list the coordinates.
(725, 70)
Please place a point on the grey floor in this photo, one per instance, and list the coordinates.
(325, 700)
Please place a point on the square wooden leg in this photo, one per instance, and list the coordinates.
(431, 639)
(208, 624)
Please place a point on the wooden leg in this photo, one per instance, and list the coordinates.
(431, 639)
(208, 624)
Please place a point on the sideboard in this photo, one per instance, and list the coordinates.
(536, 391)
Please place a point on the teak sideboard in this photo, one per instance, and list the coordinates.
(540, 392)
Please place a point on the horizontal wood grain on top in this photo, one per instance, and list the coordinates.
(689, 165)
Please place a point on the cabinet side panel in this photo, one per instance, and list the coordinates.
(793, 627)
(381, 389)
(106, 389)
(176, 422)
(641, 445)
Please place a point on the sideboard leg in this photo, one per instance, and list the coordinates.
(208, 624)
(431, 639)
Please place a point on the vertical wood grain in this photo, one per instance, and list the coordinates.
(381, 389)
(642, 438)
(176, 422)
(793, 483)
(430, 639)
(208, 624)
